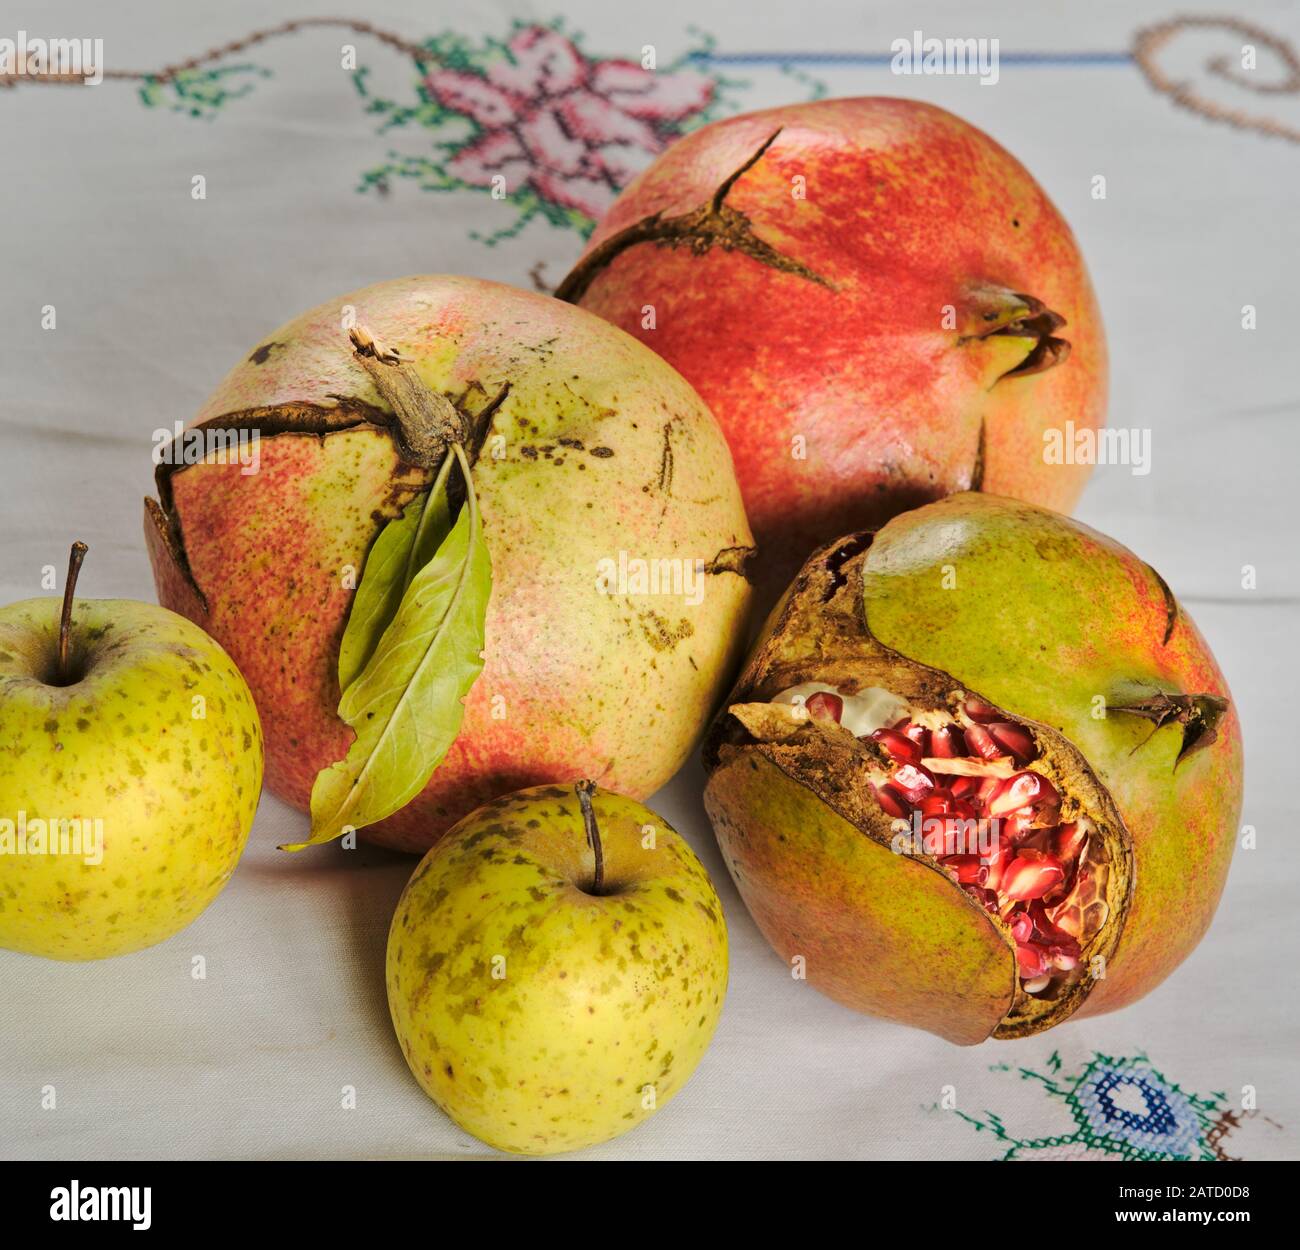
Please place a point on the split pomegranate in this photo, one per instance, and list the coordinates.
(990, 821)
(980, 773)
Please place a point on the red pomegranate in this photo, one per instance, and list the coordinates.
(878, 303)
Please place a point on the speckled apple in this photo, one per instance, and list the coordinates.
(155, 735)
(542, 1003)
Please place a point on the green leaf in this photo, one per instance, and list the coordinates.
(404, 546)
(405, 705)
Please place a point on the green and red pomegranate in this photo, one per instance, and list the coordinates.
(608, 503)
(981, 772)
(878, 303)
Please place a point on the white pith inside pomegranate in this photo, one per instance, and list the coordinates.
(967, 790)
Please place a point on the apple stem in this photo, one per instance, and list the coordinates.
(585, 790)
(77, 555)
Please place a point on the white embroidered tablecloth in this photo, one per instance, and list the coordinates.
(320, 179)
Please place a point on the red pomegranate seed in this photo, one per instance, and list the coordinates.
(892, 801)
(1023, 790)
(1031, 875)
(1031, 961)
(1045, 932)
(996, 861)
(825, 706)
(981, 742)
(918, 734)
(968, 868)
(937, 803)
(1057, 893)
(1017, 792)
(1013, 738)
(897, 746)
(948, 743)
(1017, 829)
(987, 789)
(1067, 945)
(1022, 928)
(1068, 841)
(964, 787)
(978, 710)
(912, 782)
(952, 825)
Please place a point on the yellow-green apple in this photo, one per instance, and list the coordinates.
(132, 764)
(877, 301)
(556, 968)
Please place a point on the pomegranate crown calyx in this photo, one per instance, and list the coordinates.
(426, 423)
(1199, 716)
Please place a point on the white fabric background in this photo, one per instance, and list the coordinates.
(158, 295)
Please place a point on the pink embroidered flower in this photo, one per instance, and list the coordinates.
(575, 130)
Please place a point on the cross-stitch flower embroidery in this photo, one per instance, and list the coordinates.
(575, 130)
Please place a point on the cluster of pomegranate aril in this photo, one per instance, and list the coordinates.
(970, 782)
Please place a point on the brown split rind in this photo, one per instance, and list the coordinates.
(819, 633)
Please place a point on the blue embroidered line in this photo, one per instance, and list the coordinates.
(874, 59)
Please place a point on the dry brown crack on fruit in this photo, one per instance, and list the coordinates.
(714, 223)
(917, 797)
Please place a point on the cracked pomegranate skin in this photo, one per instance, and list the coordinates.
(576, 683)
(922, 232)
(1053, 623)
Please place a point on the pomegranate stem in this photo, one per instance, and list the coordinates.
(425, 422)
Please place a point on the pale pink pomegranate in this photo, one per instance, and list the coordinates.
(592, 458)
